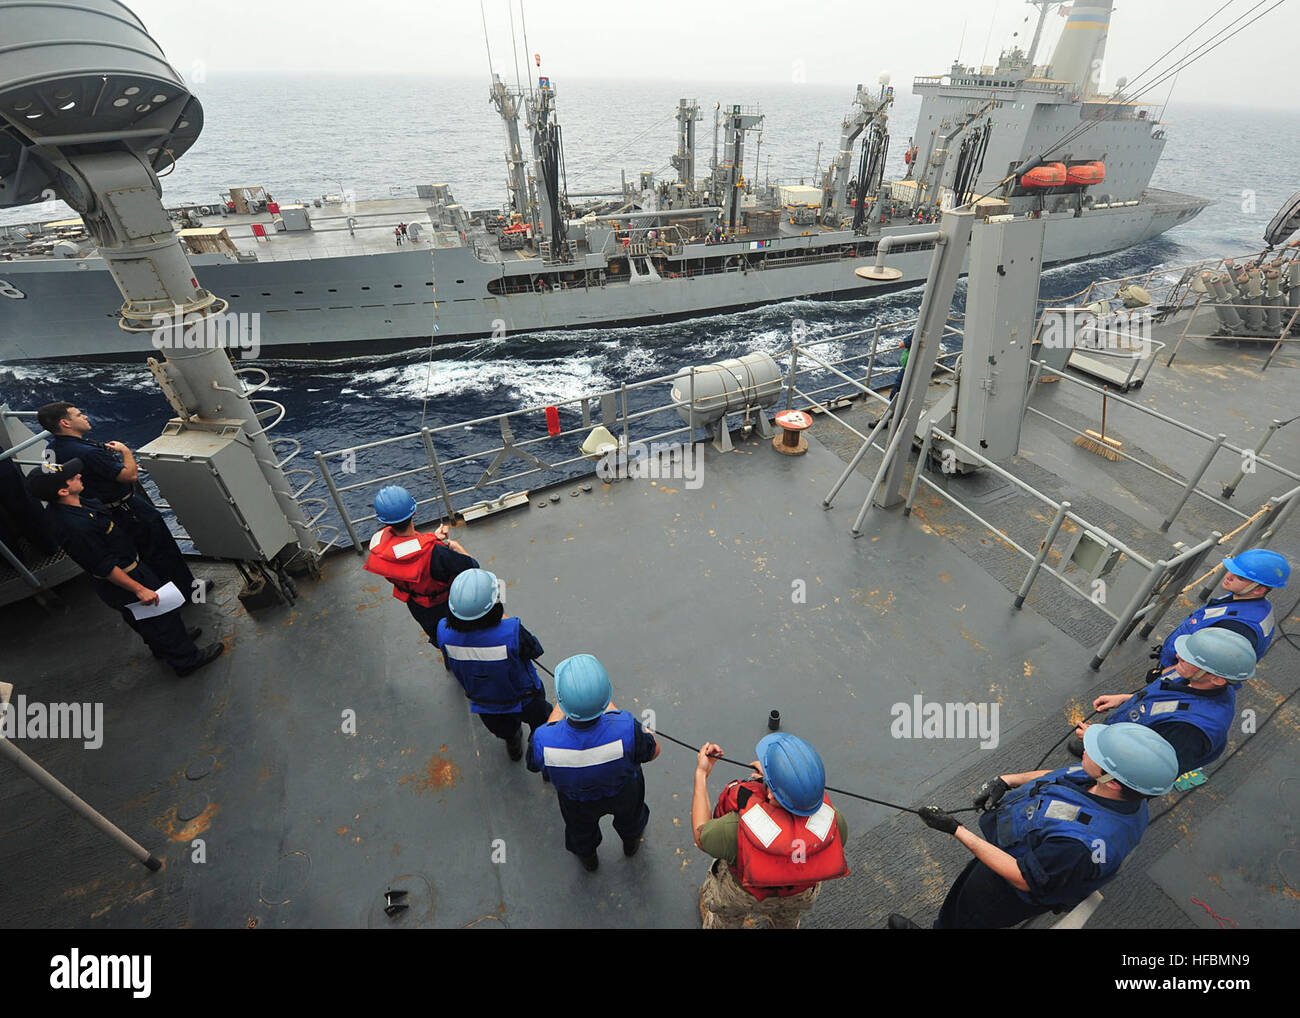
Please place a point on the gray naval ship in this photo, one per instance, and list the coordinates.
(326, 278)
(895, 546)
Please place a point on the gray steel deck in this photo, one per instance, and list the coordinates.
(686, 597)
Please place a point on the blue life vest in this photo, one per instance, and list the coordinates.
(1056, 805)
(487, 664)
(1153, 706)
(1255, 612)
(592, 762)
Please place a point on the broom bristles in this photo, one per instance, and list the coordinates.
(1100, 447)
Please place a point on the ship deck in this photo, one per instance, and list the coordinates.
(685, 595)
(330, 237)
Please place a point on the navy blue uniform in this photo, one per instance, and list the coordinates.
(130, 510)
(22, 517)
(1251, 617)
(495, 668)
(595, 767)
(91, 537)
(1194, 721)
(1053, 827)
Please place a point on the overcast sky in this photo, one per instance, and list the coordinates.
(831, 42)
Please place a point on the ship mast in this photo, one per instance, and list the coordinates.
(683, 162)
(1043, 7)
(548, 163)
(729, 177)
(871, 117)
(507, 104)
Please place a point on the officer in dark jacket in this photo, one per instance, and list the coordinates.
(592, 752)
(492, 658)
(22, 517)
(91, 537)
(111, 475)
(1051, 838)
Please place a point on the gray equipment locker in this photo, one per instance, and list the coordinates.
(1001, 310)
(218, 492)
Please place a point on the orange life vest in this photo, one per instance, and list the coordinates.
(406, 563)
(779, 853)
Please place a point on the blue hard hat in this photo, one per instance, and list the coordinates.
(394, 504)
(1134, 755)
(472, 595)
(1259, 565)
(1219, 651)
(793, 771)
(582, 687)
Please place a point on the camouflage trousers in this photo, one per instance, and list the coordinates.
(725, 905)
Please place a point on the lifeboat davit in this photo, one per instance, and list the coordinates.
(1086, 174)
(1047, 175)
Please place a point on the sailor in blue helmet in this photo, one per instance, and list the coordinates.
(420, 565)
(774, 837)
(492, 658)
(111, 476)
(592, 753)
(1193, 704)
(1051, 838)
(1244, 609)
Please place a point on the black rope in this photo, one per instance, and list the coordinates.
(971, 809)
(1063, 738)
(829, 788)
(1289, 637)
(738, 763)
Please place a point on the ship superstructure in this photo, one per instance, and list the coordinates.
(327, 278)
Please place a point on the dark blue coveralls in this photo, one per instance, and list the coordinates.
(495, 668)
(91, 537)
(1195, 722)
(595, 767)
(1051, 826)
(132, 511)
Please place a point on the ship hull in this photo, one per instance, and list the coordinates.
(344, 306)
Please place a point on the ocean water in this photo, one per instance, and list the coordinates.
(302, 138)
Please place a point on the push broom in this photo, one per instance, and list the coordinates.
(1098, 443)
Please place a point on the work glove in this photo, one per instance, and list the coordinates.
(937, 819)
(990, 794)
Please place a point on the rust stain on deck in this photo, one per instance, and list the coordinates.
(198, 825)
(440, 772)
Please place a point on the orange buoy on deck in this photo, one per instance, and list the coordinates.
(1086, 174)
(1047, 175)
